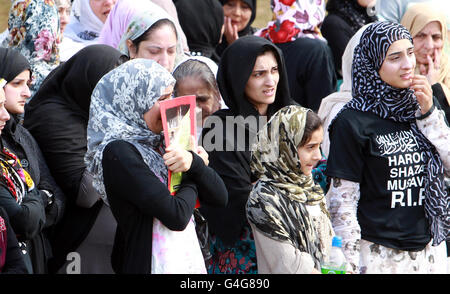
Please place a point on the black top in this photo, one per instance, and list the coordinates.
(64, 99)
(338, 33)
(201, 21)
(14, 263)
(233, 163)
(383, 156)
(310, 69)
(136, 196)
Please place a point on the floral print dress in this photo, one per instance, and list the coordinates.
(34, 30)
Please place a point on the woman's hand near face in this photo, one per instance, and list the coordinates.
(231, 31)
(433, 69)
(177, 159)
(424, 93)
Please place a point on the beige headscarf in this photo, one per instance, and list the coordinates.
(415, 19)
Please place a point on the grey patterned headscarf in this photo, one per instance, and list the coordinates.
(118, 104)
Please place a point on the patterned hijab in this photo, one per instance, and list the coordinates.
(34, 31)
(118, 104)
(294, 19)
(372, 94)
(276, 205)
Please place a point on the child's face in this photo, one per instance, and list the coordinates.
(309, 154)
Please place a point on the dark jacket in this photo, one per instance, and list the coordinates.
(20, 142)
(9, 250)
(136, 196)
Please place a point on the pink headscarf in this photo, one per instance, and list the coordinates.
(117, 22)
(120, 17)
(294, 19)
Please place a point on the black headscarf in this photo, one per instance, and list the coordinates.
(235, 68)
(371, 94)
(12, 63)
(63, 100)
(252, 5)
(248, 30)
(201, 21)
(353, 13)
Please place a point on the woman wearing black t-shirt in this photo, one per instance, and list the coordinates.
(387, 198)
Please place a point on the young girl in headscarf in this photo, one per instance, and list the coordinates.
(286, 208)
(309, 61)
(34, 30)
(126, 156)
(387, 198)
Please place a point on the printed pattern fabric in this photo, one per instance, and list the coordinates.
(118, 104)
(16, 179)
(369, 258)
(34, 31)
(237, 259)
(376, 259)
(294, 19)
(176, 252)
(436, 130)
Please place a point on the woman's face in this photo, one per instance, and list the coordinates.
(205, 97)
(428, 42)
(398, 67)
(17, 93)
(64, 14)
(309, 154)
(261, 87)
(161, 46)
(153, 116)
(239, 12)
(4, 115)
(102, 8)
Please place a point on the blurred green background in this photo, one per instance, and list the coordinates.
(263, 11)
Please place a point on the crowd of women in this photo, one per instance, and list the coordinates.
(328, 121)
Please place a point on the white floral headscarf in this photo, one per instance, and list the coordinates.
(294, 19)
(118, 104)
